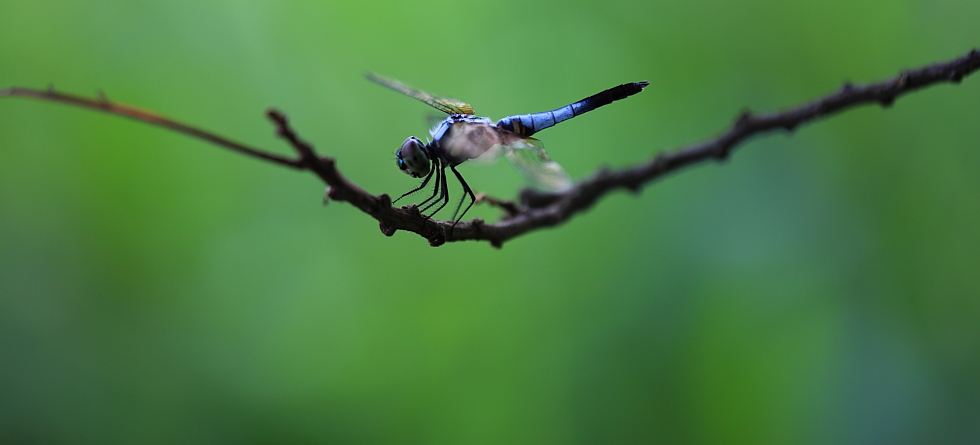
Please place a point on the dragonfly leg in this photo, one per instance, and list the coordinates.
(467, 191)
(435, 191)
(420, 187)
(444, 194)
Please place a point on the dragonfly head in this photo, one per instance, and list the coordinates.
(412, 158)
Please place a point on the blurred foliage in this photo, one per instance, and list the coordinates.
(819, 287)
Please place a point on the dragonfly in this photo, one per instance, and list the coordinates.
(463, 136)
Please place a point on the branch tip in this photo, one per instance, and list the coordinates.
(102, 103)
(275, 115)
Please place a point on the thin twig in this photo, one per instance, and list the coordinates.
(537, 210)
(102, 103)
(510, 207)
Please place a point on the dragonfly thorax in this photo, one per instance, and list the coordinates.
(413, 158)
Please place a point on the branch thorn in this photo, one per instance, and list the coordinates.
(439, 238)
(744, 118)
(388, 230)
(721, 152)
(414, 210)
(103, 99)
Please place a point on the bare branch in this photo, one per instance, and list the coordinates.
(537, 210)
(551, 209)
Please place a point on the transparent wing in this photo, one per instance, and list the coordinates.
(528, 155)
(474, 140)
(445, 104)
(483, 142)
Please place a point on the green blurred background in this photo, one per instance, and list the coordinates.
(821, 287)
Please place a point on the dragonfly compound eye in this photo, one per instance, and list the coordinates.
(412, 157)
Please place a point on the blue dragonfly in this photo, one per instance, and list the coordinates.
(463, 136)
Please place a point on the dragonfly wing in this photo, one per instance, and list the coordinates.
(474, 138)
(478, 139)
(445, 104)
(528, 155)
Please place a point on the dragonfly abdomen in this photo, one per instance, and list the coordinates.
(528, 124)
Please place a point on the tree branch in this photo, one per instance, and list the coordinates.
(537, 210)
